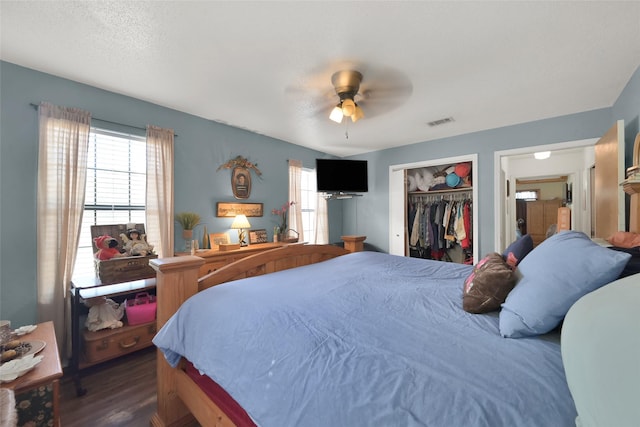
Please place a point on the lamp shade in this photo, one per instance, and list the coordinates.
(240, 221)
(357, 114)
(348, 107)
(336, 114)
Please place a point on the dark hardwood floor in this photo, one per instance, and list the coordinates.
(121, 392)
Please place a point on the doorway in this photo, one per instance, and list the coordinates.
(573, 159)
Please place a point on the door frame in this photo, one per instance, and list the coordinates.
(504, 211)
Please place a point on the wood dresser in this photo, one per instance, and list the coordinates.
(37, 391)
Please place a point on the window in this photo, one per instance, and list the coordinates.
(529, 195)
(309, 200)
(115, 190)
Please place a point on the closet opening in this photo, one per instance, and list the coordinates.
(433, 209)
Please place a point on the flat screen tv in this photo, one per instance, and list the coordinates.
(342, 176)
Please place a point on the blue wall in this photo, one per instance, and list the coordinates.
(627, 108)
(202, 145)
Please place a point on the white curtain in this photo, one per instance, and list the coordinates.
(322, 221)
(62, 170)
(295, 195)
(159, 203)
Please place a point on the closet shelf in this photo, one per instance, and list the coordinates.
(453, 190)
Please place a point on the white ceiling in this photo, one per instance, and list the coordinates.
(266, 66)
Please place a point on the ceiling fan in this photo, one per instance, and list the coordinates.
(347, 85)
(362, 89)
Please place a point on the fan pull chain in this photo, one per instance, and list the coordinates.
(346, 132)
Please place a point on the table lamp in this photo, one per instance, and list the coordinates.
(240, 223)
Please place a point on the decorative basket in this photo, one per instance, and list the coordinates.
(121, 269)
(287, 237)
(141, 309)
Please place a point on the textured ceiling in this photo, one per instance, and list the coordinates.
(266, 66)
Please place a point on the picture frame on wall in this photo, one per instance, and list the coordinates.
(241, 182)
(257, 236)
(231, 209)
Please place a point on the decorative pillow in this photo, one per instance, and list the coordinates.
(517, 250)
(555, 275)
(488, 285)
(624, 239)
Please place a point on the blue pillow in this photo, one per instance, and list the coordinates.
(520, 248)
(555, 275)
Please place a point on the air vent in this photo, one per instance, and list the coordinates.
(440, 122)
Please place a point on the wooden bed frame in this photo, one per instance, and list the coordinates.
(179, 398)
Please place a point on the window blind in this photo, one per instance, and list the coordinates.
(115, 189)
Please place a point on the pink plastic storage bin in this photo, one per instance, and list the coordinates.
(142, 309)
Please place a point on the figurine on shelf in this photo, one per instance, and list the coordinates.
(135, 243)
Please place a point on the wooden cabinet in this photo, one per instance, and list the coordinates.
(541, 214)
(37, 391)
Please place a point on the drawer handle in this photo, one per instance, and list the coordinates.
(131, 344)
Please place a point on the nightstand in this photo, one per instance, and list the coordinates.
(37, 391)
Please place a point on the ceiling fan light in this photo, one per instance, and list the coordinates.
(541, 155)
(357, 114)
(336, 114)
(348, 107)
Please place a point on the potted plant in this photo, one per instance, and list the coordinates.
(281, 229)
(188, 221)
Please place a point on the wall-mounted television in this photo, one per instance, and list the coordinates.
(342, 176)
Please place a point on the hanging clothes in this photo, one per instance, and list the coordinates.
(439, 223)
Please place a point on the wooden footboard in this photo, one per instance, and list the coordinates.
(177, 280)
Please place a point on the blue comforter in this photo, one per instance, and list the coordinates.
(367, 339)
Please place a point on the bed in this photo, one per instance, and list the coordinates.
(352, 339)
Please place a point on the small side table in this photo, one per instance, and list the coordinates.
(40, 386)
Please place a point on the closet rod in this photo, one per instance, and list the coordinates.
(439, 197)
(35, 106)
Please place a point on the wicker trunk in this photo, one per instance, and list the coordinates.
(121, 269)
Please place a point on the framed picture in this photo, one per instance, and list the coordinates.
(258, 236)
(216, 239)
(241, 182)
(226, 209)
